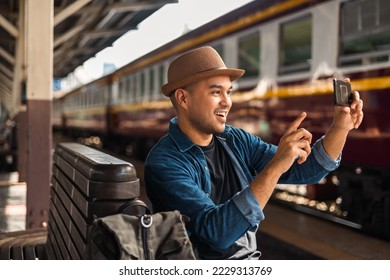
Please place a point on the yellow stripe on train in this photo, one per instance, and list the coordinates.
(266, 92)
(313, 88)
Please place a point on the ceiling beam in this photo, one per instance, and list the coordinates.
(137, 6)
(9, 27)
(62, 51)
(102, 34)
(5, 81)
(70, 10)
(105, 33)
(68, 35)
(6, 71)
(4, 89)
(128, 7)
(7, 56)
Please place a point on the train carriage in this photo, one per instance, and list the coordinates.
(291, 50)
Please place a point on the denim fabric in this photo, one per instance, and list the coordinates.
(177, 178)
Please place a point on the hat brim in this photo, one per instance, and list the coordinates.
(233, 73)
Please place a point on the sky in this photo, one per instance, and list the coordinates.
(166, 24)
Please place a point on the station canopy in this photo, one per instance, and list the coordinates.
(82, 28)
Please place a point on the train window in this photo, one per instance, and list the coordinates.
(80, 101)
(249, 54)
(122, 93)
(84, 103)
(132, 89)
(142, 85)
(295, 45)
(99, 97)
(128, 88)
(365, 32)
(120, 89)
(86, 97)
(96, 98)
(92, 99)
(136, 87)
(105, 95)
(151, 83)
(161, 76)
(89, 96)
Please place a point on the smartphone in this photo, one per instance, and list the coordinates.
(342, 93)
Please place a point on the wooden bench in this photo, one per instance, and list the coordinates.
(24, 245)
(86, 184)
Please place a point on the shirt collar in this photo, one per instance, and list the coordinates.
(182, 141)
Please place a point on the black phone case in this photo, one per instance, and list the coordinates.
(342, 93)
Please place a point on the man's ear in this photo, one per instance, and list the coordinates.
(181, 97)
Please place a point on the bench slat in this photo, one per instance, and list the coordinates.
(14, 244)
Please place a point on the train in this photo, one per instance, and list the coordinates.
(291, 51)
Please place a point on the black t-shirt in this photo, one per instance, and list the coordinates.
(224, 181)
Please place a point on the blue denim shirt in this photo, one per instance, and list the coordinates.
(177, 178)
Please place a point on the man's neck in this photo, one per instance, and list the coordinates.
(195, 137)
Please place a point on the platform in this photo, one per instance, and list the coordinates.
(13, 193)
(12, 203)
(284, 234)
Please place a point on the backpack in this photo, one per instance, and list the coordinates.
(136, 234)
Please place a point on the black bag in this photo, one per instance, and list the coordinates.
(137, 234)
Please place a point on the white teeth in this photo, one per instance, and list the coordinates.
(221, 114)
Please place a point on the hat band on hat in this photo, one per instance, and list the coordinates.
(211, 69)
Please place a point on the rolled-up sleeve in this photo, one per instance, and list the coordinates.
(248, 206)
(323, 158)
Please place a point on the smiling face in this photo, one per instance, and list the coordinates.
(207, 104)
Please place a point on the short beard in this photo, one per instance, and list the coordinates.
(205, 127)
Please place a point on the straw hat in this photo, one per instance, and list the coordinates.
(197, 64)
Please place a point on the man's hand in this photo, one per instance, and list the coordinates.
(348, 118)
(294, 144)
(345, 119)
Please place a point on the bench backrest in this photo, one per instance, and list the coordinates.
(86, 184)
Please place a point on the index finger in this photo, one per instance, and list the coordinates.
(297, 122)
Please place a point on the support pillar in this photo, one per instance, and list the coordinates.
(17, 108)
(39, 57)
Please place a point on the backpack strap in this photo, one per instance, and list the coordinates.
(135, 207)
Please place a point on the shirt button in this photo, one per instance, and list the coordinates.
(205, 168)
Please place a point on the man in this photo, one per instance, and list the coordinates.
(221, 177)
